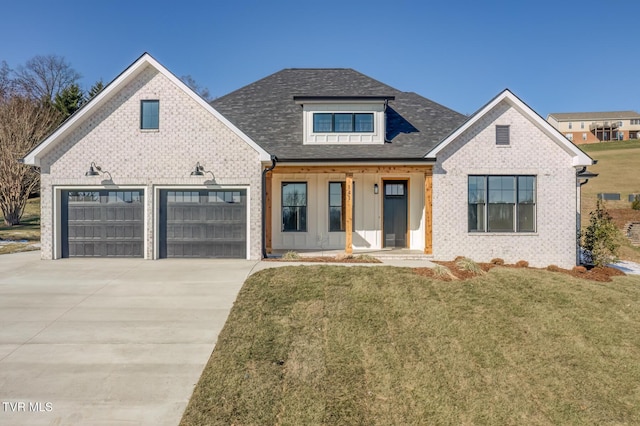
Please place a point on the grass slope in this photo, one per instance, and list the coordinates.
(618, 168)
(381, 345)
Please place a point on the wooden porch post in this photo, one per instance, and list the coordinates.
(428, 211)
(348, 223)
(267, 215)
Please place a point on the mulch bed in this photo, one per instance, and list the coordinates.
(326, 259)
(601, 274)
(623, 216)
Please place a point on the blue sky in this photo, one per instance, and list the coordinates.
(557, 56)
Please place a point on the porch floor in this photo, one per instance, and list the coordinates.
(382, 254)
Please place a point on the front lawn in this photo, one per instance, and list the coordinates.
(381, 345)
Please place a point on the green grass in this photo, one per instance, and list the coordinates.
(610, 146)
(381, 345)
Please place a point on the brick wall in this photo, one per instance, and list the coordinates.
(531, 152)
(111, 137)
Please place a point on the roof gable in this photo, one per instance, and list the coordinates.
(579, 157)
(129, 74)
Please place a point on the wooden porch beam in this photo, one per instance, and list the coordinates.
(348, 223)
(281, 169)
(428, 211)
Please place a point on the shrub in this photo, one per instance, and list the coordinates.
(601, 238)
(367, 258)
(635, 204)
(553, 268)
(442, 272)
(291, 255)
(466, 264)
(497, 261)
(522, 264)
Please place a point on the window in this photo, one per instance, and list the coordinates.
(570, 125)
(336, 206)
(569, 136)
(149, 115)
(582, 125)
(294, 206)
(635, 121)
(619, 123)
(502, 135)
(337, 209)
(502, 203)
(341, 122)
(584, 136)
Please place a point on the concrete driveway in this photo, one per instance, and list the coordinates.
(108, 341)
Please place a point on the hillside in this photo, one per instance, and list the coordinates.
(619, 172)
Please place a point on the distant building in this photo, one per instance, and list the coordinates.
(590, 127)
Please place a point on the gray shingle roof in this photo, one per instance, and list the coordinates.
(267, 113)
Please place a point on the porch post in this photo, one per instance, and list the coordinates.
(348, 223)
(428, 211)
(268, 201)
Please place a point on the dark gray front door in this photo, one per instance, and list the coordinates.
(203, 223)
(102, 223)
(395, 214)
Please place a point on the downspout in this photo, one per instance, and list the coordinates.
(274, 159)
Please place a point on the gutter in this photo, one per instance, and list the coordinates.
(274, 159)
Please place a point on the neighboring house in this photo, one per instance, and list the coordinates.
(591, 127)
(345, 162)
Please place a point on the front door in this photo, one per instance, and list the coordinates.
(394, 214)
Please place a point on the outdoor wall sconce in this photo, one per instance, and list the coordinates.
(375, 188)
(95, 170)
(199, 170)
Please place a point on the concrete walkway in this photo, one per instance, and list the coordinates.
(108, 341)
(628, 267)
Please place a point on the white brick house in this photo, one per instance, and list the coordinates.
(347, 163)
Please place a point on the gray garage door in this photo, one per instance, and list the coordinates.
(102, 223)
(203, 223)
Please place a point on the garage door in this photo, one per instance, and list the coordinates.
(102, 223)
(203, 223)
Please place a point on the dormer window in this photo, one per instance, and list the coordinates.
(342, 122)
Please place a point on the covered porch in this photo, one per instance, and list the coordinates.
(349, 208)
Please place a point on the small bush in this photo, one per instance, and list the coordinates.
(442, 272)
(635, 204)
(291, 255)
(553, 268)
(367, 257)
(466, 264)
(601, 238)
(579, 269)
(522, 264)
(497, 261)
(344, 256)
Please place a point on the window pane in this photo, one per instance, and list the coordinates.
(343, 122)
(294, 218)
(336, 219)
(322, 122)
(294, 194)
(149, 115)
(526, 218)
(500, 217)
(364, 122)
(526, 189)
(477, 190)
(476, 217)
(502, 189)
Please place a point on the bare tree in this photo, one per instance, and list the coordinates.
(5, 80)
(44, 77)
(24, 122)
(193, 85)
